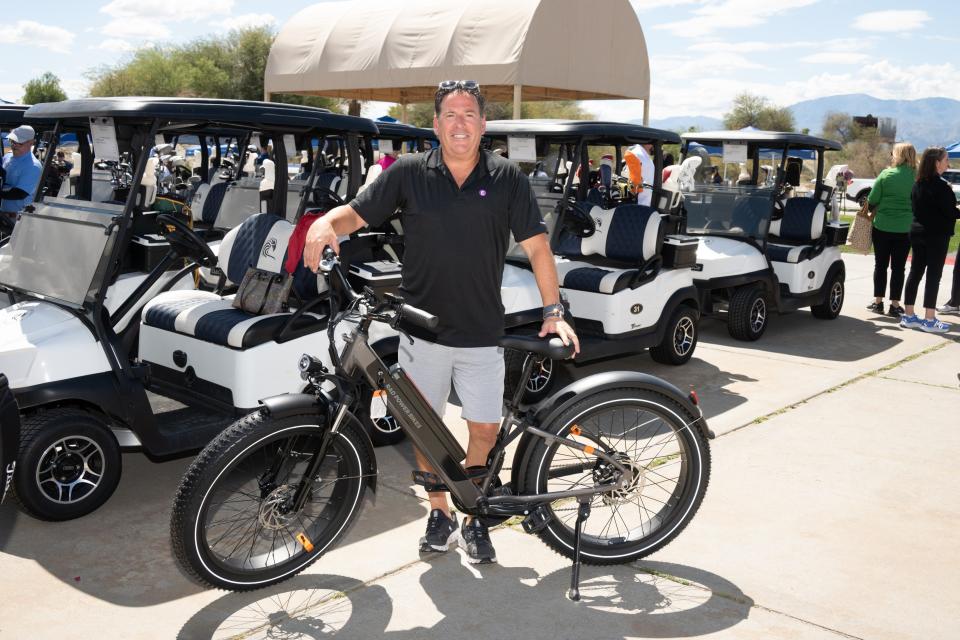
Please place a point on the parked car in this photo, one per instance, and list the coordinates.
(858, 189)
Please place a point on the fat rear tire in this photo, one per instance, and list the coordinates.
(68, 464)
(648, 432)
(833, 301)
(748, 314)
(679, 339)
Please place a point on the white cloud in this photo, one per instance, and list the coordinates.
(74, 87)
(836, 44)
(136, 29)
(716, 15)
(246, 21)
(10, 91)
(117, 45)
(836, 58)
(167, 10)
(646, 5)
(40, 35)
(898, 21)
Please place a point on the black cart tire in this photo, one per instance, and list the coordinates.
(648, 432)
(830, 308)
(68, 464)
(229, 526)
(748, 314)
(679, 339)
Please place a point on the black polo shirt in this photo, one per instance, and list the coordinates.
(455, 239)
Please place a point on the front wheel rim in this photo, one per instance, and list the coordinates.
(836, 297)
(70, 469)
(683, 336)
(758, 315)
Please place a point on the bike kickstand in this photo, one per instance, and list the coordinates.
(583, 512)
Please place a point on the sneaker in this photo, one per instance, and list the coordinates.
(441, 532)
(935, 326)
(910, 322)
(876, 307)
(949, 308)
(475, 539)
(895, 311)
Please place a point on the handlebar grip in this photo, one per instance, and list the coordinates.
(419, 317)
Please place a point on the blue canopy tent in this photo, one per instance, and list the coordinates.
(953, 150)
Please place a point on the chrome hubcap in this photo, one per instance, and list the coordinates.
(758, 315)
(683, 336)
(70, 469)
(540, 376)
(836, 297)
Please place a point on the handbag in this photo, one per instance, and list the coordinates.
(861, 234)
(263, 292)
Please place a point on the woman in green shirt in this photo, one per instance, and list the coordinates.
(892, 215)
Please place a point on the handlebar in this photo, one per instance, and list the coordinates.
(419, 317)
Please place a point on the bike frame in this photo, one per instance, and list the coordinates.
(435, 441)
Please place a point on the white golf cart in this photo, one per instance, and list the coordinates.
(758, 203)
(80, 370)
(624, 268)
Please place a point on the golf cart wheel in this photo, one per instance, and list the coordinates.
(680, 338)
(68, 465)
(748, 313)
(384, 431)
(539, 385)
(833, 303)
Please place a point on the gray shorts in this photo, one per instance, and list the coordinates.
(476, 373)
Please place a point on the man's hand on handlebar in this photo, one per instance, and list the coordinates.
(563, 330)
(320, 235)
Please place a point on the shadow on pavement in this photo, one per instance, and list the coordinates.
(121, 552)
(844, 339)
(507, 602)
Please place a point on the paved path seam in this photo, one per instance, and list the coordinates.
(869, 374)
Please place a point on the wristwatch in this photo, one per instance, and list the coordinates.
(553, 311)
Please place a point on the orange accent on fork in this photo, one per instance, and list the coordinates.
(305, 541)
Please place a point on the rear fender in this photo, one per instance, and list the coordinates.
(576, 391)
(294, 404)
(9, 435)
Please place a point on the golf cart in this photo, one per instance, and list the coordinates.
(624, 268)
(79, 369)
(758, 202)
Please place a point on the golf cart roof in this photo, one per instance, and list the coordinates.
(767, 138)
(405, 131)
(244, 114)
(589, 128)
(12, 114)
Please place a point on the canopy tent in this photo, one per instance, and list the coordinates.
(953, 151)
(516, 49)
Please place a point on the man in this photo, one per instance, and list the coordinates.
(459, 205)
(21, 172)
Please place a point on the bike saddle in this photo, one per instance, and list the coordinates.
(551, 347)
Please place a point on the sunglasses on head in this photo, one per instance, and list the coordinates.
(466, 85)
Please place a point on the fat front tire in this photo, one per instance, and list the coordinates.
(231, 525)
(649, 433)
(833, 302)
(680, 338)
(748, 314)
(68, 464)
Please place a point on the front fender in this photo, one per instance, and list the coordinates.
(575, 391)
(294, 404)
(9, 435)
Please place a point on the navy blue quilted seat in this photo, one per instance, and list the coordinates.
(630, 234)
(793, 237)
(261, 242)
(212, 202)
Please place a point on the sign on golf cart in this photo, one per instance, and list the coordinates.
(757, 201)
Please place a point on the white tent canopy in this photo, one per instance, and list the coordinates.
(394, 51)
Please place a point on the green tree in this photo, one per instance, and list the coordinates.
(230, 66)
(863, 150)
(749, 110)
(44, 88)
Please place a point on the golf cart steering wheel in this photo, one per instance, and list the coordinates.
(579, 222)
(319, 194)
(185, 241)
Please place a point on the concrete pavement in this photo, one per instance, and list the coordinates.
(831, 513)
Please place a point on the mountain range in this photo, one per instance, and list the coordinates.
(924, 122)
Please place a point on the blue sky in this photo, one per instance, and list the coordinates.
(702, 52)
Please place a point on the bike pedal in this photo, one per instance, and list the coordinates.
(537, 520)
(429, 481)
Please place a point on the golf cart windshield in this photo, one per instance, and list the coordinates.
(731, 190)
(60, 250)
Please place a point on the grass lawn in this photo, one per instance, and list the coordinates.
(954, 241)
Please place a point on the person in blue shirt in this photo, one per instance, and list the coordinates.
(21, 172)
